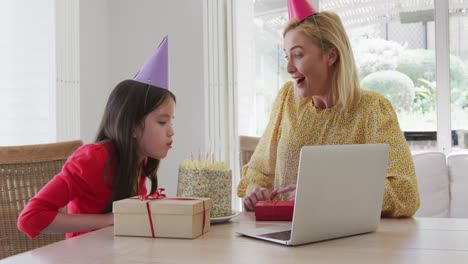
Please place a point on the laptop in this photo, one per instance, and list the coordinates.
(339, 193)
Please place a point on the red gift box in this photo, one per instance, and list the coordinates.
(274, 210)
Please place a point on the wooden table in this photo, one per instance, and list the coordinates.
(419, 240)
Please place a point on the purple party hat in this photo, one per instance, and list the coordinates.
(155, 71)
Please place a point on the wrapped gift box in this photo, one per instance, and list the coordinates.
(274, 210)
(169, 217)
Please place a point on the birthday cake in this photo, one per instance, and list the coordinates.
(207, 179)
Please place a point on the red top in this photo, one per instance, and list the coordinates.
(80, 185)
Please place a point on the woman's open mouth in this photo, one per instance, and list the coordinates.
(300, 82)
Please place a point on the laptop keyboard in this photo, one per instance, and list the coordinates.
(283, 235)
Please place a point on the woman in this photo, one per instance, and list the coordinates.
(325, 105)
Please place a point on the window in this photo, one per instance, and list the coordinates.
(458, 39)
(395, 50)
(26, 73)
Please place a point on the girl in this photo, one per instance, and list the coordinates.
(135, 133)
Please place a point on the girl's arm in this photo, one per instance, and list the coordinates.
(69, 223)
(81, 180)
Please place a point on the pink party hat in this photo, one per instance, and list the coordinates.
(300, 9)
(155, 71)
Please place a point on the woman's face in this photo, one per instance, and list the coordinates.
(155, 138)
(310, 69)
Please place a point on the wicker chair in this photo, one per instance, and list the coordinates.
(247, 148)
(23, 172)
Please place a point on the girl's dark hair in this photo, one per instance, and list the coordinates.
(128, 105)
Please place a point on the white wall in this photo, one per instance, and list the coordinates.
(94, 65)
(117, 36)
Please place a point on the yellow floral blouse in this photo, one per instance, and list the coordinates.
(291, 126)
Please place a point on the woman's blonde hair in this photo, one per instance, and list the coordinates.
(326, 30)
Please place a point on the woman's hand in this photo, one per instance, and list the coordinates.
(262, 194)
(258, 194)
(291, 189)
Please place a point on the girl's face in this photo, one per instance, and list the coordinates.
(308, 66)
(155, 138)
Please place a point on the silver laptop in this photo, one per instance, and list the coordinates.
(339, 193)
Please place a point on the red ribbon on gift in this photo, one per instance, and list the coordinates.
(158, 194)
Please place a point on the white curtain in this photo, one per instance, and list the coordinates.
(68, 69)
(220, 90)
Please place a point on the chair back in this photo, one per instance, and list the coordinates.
(247, 148)
(433, 183)
(458, 177)
(24, 170)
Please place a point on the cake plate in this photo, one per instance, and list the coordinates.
(222, 219)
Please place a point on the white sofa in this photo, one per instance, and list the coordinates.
(443, 184)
